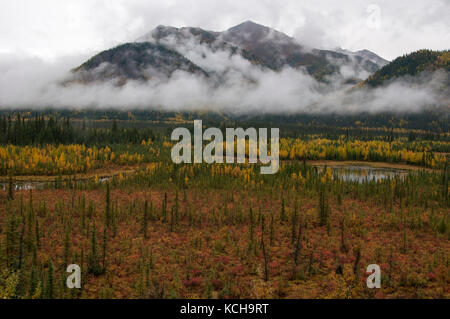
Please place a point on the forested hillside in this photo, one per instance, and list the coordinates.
(411, 64)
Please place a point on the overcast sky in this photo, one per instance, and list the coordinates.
(52, 28)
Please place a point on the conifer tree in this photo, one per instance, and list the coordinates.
(272, 230)
(251, 232)
(164, 208)
(294, 223)
(445, 184)
(283, 211)
(266, 271)
(172, 218)
(145, 219)
(104, 249)
(324, 207)
(356, 263)
(33, 282)
(298, 244)
(67, 247)
(49, 292)
(10, 188)
(107, 206)
(36, 231)
(12, 239)
(22, 233)
(93, 257)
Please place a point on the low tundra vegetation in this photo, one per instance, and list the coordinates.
(226, 231)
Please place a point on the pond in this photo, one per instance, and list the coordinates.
(360, 173)
(23, 186)
(39, 185)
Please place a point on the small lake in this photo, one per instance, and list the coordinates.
(23, 186)
(360, 173)
(39, 185)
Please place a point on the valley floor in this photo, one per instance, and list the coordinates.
(152, 239)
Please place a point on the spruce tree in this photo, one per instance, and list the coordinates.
(145, 219)
(283, 211)
(93, 257)
(107, 206)
(67, 247)
(10, 188)
(33, 282)
(294, 222)
(164, 208)
(36, 231)
(324, 207)
(104, 249)
(263, 247)
(49, 292)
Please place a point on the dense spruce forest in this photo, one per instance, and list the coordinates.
(40, 130)
(28, 127)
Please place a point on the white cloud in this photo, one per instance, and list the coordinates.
(34, 83)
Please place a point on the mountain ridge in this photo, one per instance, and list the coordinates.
(259, 45)
(135, 61)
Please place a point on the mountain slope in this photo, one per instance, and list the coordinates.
(411, 65)
(277, 50)
(369, 55)
(187, 40)
(136, 61)
(167, 49)
(179, 35)
(365, 54)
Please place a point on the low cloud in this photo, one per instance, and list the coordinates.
(237, 86)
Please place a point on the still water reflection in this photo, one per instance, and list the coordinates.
(360, 173)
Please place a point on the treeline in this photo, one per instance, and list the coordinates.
(429, 124)
(21, 131)
(39, 130)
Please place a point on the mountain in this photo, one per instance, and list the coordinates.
(189, 41)
(180, 35)
(167, 49)
(366, 54)
(273, 47)
(414, 66)
(278, 50)
(137, 61)
(369, 55)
